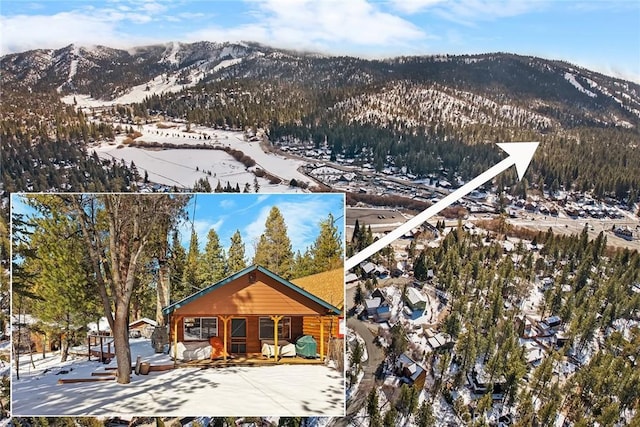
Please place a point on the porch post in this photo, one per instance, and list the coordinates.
(275, 319)
(321, 338)
(175, 341)
(225, 322)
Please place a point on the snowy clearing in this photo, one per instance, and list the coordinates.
(572, 79)
(182, 167)
(283, 390)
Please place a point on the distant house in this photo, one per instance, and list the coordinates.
(377, 306)
(410, 371)
(623, 232)
(350, 278)
(415, 301)
(368, 268)
(480, 382)
(534, 353)
(440, 340)
(142, 328)
(551, 322)
(371, 305)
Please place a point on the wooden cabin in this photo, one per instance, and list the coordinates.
(248, 309)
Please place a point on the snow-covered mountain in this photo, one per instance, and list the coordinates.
(106, 73)
(491, 89)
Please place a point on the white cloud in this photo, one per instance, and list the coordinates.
(413, 6)
(318, 25)
(54, 31)
(84, 25)
(468, 12)
(471, 11)
(153, 7)
(227, 204)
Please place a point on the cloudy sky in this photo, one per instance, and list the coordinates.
(599, 34)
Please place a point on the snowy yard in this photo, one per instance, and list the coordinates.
(182, 167)
(283, 390)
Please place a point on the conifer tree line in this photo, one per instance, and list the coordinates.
(119, 256)
(273, 251)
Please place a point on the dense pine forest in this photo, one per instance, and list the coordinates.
(591, 290)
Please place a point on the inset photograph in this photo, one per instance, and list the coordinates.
(178, 305)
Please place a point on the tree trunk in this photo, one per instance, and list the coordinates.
(163, 291)
(16, 342)
(64, 351)
(65, 343)
(121, 342)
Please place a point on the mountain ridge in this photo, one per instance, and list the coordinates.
(412, 111)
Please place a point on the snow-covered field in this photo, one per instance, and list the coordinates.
(182, 167)
(283, 390)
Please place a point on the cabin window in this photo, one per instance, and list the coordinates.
(266, 328)
(200, 328)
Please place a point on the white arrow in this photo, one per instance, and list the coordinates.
(520, 154)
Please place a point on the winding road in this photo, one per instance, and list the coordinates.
(375, 358)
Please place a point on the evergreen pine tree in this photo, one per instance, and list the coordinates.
(177, 263)
(67, 297)
(327, 249)
(236, 260)
(274, 248)
(303, 264)
(212, 263)
(190, 282)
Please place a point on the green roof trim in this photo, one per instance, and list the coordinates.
(176, 305)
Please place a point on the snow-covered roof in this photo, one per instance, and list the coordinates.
(143, 320)
(439, 340)
(351, 277)
(405, 362)
(23, 319)
(103, 325)
(370, 303)
(368, 267)
(414, 296)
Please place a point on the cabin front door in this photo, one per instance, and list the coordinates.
(238, 336)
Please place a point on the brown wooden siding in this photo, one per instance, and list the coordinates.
(311, 326)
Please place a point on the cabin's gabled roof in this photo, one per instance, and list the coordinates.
(330, 308)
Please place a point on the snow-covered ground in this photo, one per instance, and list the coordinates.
(283, 390)
(182, 167)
